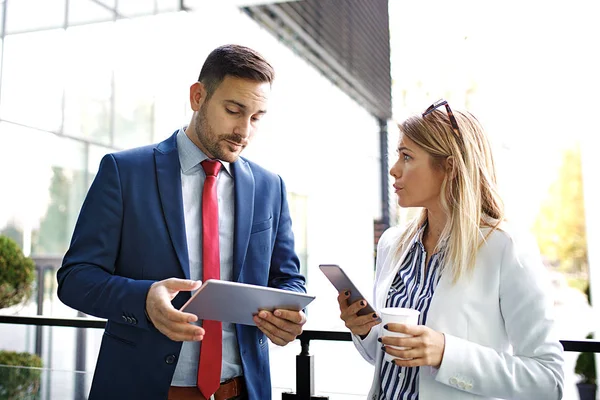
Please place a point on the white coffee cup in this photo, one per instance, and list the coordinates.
(396, 315)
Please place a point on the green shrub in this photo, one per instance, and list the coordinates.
(19, 383)
(16, 273)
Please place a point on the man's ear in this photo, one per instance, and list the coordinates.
(197, 95)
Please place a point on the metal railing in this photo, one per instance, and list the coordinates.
(305, 389)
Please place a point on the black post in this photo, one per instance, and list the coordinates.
(80, 360)
(385, 186)
(305, 382)
(41, 269)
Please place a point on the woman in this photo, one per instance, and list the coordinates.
(485, 329)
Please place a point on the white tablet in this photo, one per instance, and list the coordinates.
(238, 302)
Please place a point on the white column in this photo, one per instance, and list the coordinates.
(591, 196)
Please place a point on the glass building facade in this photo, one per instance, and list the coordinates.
(82, 78)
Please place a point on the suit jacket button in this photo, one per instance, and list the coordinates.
(124, 318)
(129, 320)
(453, 381)
(134, 320)
(170, 359)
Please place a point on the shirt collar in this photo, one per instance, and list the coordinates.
(190, 156)
(418, 239)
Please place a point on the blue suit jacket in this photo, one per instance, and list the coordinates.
(130, 233)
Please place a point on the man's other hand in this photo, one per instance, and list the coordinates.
(174, 324)
(280, 326)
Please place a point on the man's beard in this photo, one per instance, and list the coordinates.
(211, 141)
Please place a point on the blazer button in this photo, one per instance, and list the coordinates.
(461, 384)
(129, 320)
(134, 320)
(170, 359)
(124, 318)
(453, 381)
(260, 341)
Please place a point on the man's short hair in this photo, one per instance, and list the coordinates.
(237, 61)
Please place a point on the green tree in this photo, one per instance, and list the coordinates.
(12, 231)
(53, 234)
(560, 225)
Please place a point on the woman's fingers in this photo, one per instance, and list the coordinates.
(426, 347)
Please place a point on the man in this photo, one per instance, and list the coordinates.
(143, 242)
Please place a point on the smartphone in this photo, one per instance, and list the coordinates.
(342, 282)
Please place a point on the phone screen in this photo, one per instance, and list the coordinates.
(342, 282)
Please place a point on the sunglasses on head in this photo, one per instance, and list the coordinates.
(439, 103)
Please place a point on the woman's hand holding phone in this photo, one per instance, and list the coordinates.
(358, 324)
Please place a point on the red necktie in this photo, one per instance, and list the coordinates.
(209, 365)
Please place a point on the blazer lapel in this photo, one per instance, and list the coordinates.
(169, 188)
(244, 211)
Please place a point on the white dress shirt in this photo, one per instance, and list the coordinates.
(192, 182)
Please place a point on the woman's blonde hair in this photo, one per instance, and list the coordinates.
(468, 196)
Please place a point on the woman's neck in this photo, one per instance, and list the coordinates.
(436, 221)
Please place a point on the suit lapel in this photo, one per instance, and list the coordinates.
(169, 188)
(244, 210)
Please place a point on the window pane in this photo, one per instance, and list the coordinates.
(135, 78)
(172, 80)
(51, 177)
(134, 112)
(94, 157)
(299, 213)
(32, 79)
(1, 46)
(136, 8)
(1, 14)
(84, 11)
(109, 3)
(88, 111)
(171, 104)
(22, 15)
(167, 5)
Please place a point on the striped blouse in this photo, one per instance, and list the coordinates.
(412, 287)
